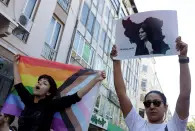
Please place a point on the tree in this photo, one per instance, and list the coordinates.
(191, 125)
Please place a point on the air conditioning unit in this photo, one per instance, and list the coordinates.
(25, 22)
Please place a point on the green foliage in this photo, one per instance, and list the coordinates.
(191, 125)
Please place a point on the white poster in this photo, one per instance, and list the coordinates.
(147, 34)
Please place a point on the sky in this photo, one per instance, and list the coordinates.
(167, 67)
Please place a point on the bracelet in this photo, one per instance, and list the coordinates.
(183, 60)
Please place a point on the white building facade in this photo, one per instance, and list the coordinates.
(80, 32)
(92, 43)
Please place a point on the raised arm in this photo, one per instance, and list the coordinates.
(67, 101)
(100, 76)
(183, 101)
(17, 78)
(25, 96)
(119, 84)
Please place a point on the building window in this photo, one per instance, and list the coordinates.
(97, 104)
(90, 22)
(95, 2)
(83, 49)
(96, 30)
(52, 39)
(127, 75)
(141, 112)
(101, 6)
(64, 4)
(143, 84)
(106, 46)
(145, 68)
(102, 40)
(125, 71)
(80, 47)
(108, 73)
(115, 114)
(29, 8)
(76, 41)
(137, 69)
(142, 97)
(109, 110)
(122, 13)
(116, 4)
(102, 105)
(88, 53)
(106, 15)
(113, 27)
(87, 18)
(6, 2)
(85, 13)
(99, 63)
(110, 21)
(21, 33)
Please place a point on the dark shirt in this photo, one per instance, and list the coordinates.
(38, 116)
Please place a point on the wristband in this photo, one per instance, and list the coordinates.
(183, 60)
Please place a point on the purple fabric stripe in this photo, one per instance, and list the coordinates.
(11, 109)
(58, 125)
(57, 115)
(14, 99)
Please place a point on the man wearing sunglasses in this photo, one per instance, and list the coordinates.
(155, 102)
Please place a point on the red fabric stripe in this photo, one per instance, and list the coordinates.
(47, 63)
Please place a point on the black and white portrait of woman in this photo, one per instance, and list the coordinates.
(147, 34)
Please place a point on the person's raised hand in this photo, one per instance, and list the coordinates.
(114, 52)
(16, 58)
(101, 75)
(181, 46)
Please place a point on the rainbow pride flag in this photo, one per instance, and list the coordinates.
(69, 79)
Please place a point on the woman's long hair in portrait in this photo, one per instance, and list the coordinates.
(153, 28)
(132, 32)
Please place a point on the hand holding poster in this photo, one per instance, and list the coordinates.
(147, 34)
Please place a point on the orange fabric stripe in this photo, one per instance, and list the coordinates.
(36, 71)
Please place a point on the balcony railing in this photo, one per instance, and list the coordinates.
(48, 52)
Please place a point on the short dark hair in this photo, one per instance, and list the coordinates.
(159, 93)
(10, 118)
(53, 86)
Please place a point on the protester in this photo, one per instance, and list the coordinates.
(41, 106)
(155, 101)
(5, 122)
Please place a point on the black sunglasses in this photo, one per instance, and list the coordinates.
(156, 103)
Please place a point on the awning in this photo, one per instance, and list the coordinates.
(112, 127)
